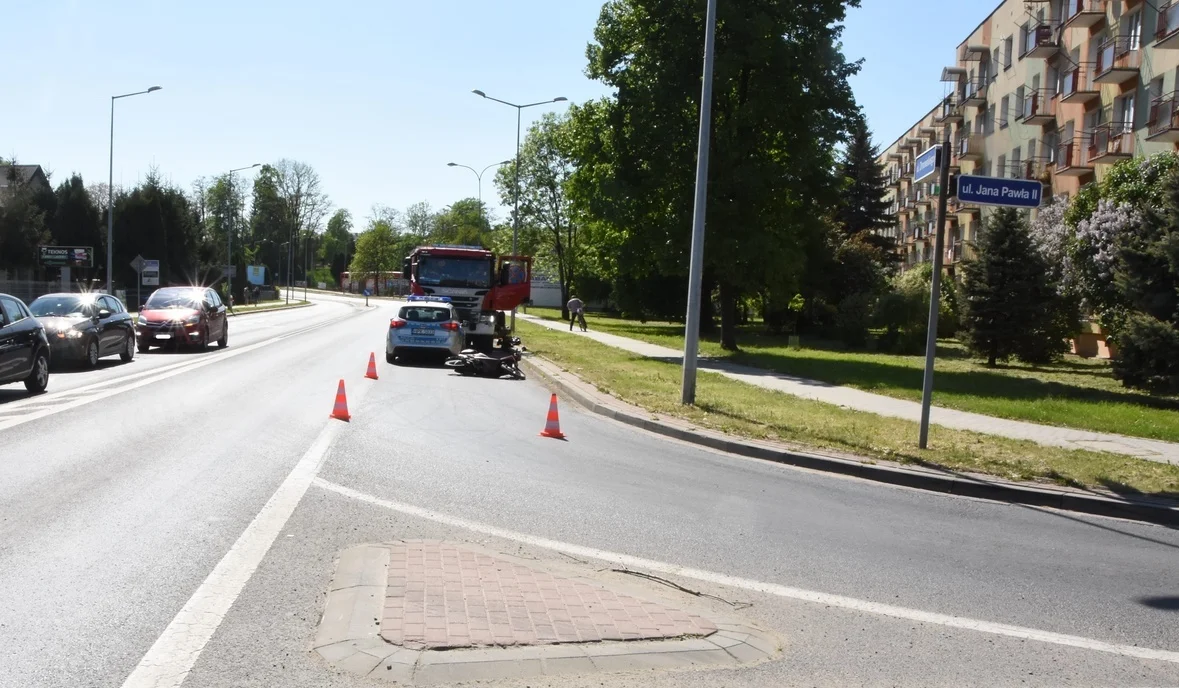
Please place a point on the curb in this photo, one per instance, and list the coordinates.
(573, 387)
(254, 311)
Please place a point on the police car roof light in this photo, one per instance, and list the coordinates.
(444, 299)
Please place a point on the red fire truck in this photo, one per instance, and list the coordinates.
(480, 285)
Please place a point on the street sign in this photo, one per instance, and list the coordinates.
(67, 256)
(228, 271)
(137, 263)
(1012, 193)
(927, 164)
(149, 274)
(256, 274)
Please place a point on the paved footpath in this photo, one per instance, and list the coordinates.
(847, 397)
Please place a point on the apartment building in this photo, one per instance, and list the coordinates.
(1054, 90)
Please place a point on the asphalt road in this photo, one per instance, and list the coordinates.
(122, 489)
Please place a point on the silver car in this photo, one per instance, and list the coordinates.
(427, 325)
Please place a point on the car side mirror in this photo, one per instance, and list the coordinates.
(103, 314)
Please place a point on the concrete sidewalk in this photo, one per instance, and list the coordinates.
(847, 397)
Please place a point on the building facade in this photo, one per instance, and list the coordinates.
(1054, 90)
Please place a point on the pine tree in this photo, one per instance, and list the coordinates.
(1146, 276)
(1012, 307)
(863, 208)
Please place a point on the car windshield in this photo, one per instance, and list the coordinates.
(431, 314)
(173, 299)
(455, 272)
(49, 306)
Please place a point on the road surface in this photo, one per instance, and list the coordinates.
(124, 490)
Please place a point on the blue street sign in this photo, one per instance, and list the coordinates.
(1013, 193)
(927, 164)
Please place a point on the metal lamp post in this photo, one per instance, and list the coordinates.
(479, 177)
(229, 234)
(110, 191)
(516, 192)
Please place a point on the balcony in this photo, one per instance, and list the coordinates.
(951, 112)
(1071, 160)
(1076, 87)
(924, 198)
(1117, 60)
(1167, 33)
(1035, 168)
(1163, 122)
(970, 148)
(959, 207)
(974, 93)
(1110, 143)
(1041, 41)
(907, 170)
(953, 252)
(1039, 108)
(1083, 14)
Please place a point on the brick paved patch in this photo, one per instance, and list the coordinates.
(424, 612)
(442, 595)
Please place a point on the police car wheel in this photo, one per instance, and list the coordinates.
(389, 357)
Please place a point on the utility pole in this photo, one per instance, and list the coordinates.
(935, 286)
(696, 265)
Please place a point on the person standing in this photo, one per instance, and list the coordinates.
(576, 313)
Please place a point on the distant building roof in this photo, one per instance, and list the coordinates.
(24, 174)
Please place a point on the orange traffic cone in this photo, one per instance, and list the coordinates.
(552, 424)
(372, 366)
(340, 410)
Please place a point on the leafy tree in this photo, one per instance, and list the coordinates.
(338, 242)
(158, 220)
(375, 251)
(1012, 306)
(22, 223)
(781, 103)
(903, 311)
(419, 219)
(1146, 277)
(546, 164)
(863, 208)
(463, 222)
(268, 224)
(304, 205)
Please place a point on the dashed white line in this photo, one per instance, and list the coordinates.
(840, 601)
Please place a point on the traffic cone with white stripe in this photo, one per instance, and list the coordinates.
(372, 366)
(552, 424)
(340, 410)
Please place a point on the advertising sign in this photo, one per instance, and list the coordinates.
(256, 274)
(67, 256)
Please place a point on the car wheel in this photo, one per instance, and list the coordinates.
(224, 341)
(38, 380)
(203, 345)
(91, 360)
(389, 357)
(128, 349)
(142, 347)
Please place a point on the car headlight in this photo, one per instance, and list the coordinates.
(74, 334)
(141, 321)
(193, 320)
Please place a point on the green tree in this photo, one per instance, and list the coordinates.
(463, 222)
(781, 104)
(863, 208)
(375, 252)
(546, 165)
(268, 225)
(1146, 277)
(76, 221)
(1012, 306)
(338, 242)
(158, 220)
(22, 223)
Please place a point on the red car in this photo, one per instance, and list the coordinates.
(190, 316)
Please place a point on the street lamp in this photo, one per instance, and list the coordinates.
(516, 192)
(229, 233)
(110, 190)
(479, 176)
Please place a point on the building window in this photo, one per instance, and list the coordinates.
(1132, 30)
(1002, 171)
(989, 124)
(1016, 163)
(1007, 49)
(1126, 112)
(1020, 97)
(1003, 111)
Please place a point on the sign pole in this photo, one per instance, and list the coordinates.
(935, 287)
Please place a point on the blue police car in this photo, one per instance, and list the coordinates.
(427, 324)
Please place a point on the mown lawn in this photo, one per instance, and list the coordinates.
(1075, 393)
(741, 409)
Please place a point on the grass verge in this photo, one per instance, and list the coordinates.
(745, 410)
(1074, 393)
(268, 306)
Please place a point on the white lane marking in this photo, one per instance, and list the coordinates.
(823, 598)
(64, 402)
(175, 652)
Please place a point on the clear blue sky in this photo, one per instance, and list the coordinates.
(375, 94)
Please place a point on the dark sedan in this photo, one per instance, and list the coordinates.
(86, 327)
(24, 349)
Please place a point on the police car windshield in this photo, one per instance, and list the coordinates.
(455, 272)
(424, 314)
